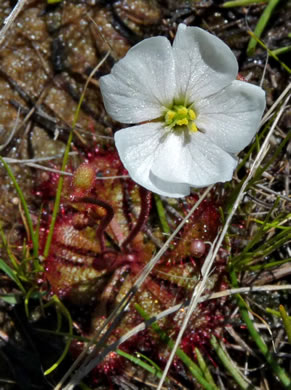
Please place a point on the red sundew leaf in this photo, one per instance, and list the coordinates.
(84, 179)
(86, 266)
(203, 225)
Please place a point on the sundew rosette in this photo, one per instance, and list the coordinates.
(193, 115)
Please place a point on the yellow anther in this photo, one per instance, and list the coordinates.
(180, 115)
(191, 114)
(182, 122)
(193, 127)
(170, 115)
(182, 111)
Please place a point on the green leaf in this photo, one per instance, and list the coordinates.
(11, 274)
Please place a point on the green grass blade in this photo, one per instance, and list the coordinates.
(11, 274)
(286, 321)
(152, 363)
(281, 50)
(261, 231)
(205, 369)
(162, 214)
(11, 299)
(271, 264)
(12, 258)
(277, 369)
(275, 313)
(261, 25)
(242, 3)
(140, 363)
(270, 52)
(26, 212)
(26, 300)
(264, 250)
(67, 314)
(58, 197)
(228, 364)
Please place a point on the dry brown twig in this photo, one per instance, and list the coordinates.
(10, 19)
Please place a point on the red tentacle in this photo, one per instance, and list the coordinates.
(146, 198)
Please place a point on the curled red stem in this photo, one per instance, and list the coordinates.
(146, 198)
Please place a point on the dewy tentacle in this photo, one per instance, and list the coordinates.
(145, 197)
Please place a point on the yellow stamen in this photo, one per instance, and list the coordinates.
(180, 115)
(170, 115)
(193, 127)
(182, 122)
(182, 111)
(192, 114)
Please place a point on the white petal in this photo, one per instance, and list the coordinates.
(141, 84)
(138, 147)
(231, 117)
(204, 63)
(192, 159)
(165, 188)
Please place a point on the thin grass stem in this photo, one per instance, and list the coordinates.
(270, 52)
(278, 370)
(204, 368)
(265, 17)
(242, 3)
(229, 365)
(152, 370)
(26, 213)
(286, 321)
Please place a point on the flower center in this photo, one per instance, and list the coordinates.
(180, 115)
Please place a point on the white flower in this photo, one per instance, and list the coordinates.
(194, 115)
